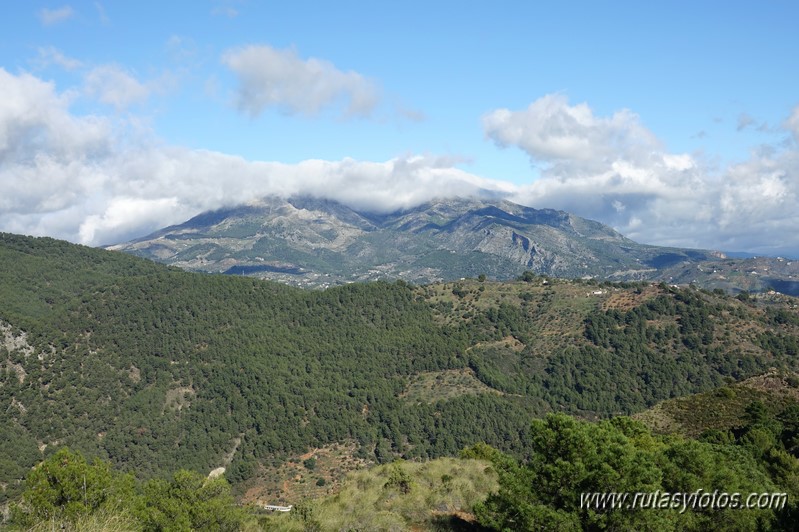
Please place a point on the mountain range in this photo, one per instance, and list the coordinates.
(312, 242)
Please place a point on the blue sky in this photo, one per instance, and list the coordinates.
(675, 123)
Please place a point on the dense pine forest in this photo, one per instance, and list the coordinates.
(153, 370)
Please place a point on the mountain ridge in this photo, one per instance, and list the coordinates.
(313, 242)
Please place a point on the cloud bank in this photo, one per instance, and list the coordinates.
(92, 180)
(614, 170)
(101, 180)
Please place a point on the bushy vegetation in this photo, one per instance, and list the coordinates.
(66, 491)
(571, 458)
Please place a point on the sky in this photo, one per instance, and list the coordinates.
(677, 123)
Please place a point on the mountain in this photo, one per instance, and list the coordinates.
(755, 274)
(312, 242)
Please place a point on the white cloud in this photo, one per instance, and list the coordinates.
(35, 123)
(125, 216)
(792, 124)
(280, 78)
(49, 55)
(46, 153)
(759, 199)
(570, 138)
(112, 85)
(614, 170)
(181, 49)
(228, 12)
(225, 8)
(50, 17)
(101, 14)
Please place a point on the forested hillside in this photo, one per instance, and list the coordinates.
(155, 369)
(751, 472)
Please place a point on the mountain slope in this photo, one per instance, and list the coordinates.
(156, 368)
(724, 408)
(312, 242)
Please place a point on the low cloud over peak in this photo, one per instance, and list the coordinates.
(99, 180)
(78, 178)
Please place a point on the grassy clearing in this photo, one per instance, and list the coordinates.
(555, 308)
(433, 386)
(628, 299)
(398, 496)
(101, 521)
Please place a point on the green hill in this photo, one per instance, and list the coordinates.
(725, 408)
(154, 368)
